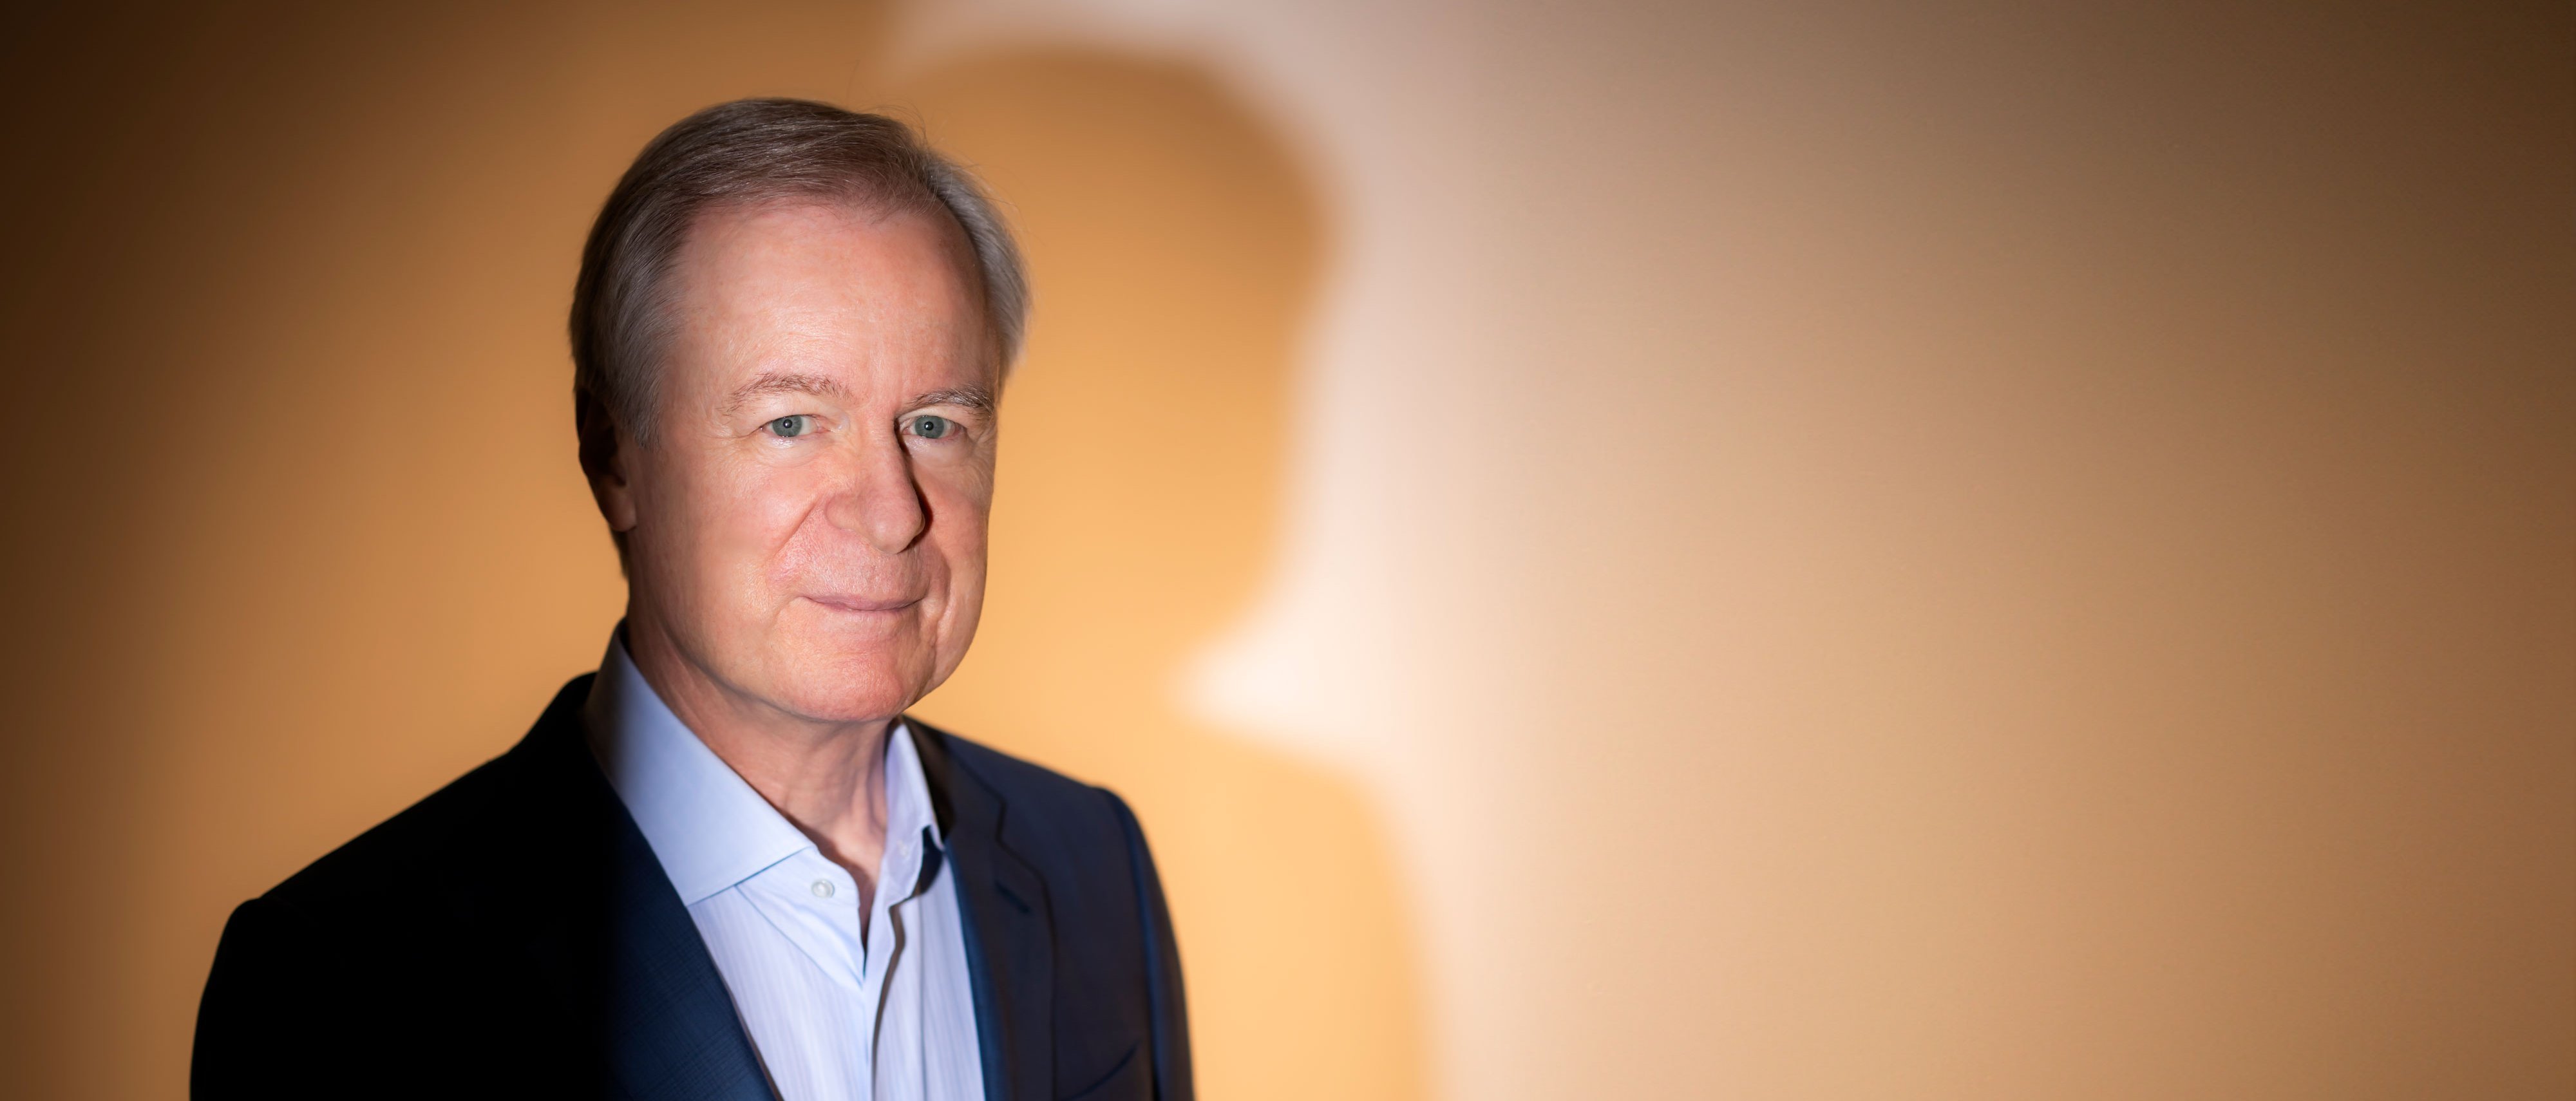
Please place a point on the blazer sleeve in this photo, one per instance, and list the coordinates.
(1170, 1013)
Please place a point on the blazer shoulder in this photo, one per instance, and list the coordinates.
(452, 833)
(427, 835)
(1014, 777)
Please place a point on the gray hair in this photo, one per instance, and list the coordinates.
(746, 152)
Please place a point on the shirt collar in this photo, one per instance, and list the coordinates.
(706, 825)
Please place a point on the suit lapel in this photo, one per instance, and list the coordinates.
(672, 1030)
(1010, 945)
(667, 1029)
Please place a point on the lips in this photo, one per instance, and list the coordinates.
(846, 603)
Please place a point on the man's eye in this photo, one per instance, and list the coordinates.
(929, 427)
(792, 427)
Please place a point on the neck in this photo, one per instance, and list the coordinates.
(828, 778)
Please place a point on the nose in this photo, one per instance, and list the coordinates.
(878, 499)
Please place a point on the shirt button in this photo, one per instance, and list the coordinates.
(822, 888)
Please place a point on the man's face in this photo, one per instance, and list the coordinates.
(809, 516)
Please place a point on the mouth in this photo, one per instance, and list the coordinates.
(842, 602)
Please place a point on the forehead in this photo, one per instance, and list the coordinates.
(819, 285)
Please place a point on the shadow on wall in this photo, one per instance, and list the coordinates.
(1175, 247)
(294, 533)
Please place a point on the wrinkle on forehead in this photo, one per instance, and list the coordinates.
(796, 286)
(732, 235)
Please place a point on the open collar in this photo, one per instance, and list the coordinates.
(707, 825)
(671, 1032)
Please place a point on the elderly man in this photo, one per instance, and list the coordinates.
(727, 865)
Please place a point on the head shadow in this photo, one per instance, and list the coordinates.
(1175, 246)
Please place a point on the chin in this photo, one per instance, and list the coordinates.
(849, 686)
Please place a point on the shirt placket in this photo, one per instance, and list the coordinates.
(886, 935)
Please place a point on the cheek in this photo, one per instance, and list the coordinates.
(768, 510)
(960, 515)
(741, 518)
(766, 505)
(961, 505)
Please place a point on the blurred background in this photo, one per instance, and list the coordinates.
(1936, 550)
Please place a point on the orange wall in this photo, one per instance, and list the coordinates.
(1955, 551)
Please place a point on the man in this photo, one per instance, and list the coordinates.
(727, 865)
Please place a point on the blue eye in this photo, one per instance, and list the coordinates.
(791, 427)
(929, 427)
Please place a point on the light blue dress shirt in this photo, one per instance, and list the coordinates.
(840, 1009)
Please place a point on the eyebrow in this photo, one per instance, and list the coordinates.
(773, 382)
(972, 397)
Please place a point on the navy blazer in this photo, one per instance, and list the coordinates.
(513, 935)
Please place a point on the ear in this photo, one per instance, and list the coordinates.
(606, 456)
